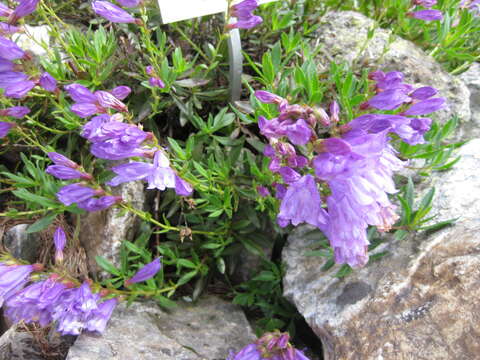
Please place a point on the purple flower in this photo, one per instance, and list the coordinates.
(13, 278)
(74, 308)
(298, 133)
(98, 319)
(48, 82)
(15, 111)
(129, 3)
(60, 240)
(130, 172)
(97, 204)
(426, 15)
(182, 188)
(115, 149)
(426, 107)
(19, 89)
(146, 272)
(301, 203)
(85, 110)
(156, 82)
(263, 191)
(473, 6)
(5, 11)
(112, 12)
(121, 92)
(80, 93)
(267, 97)
(243, 11)
(94, 127)
(161, 175)
(289, 175)
(26, 7)
(10, 77)
(334, 112)
(35, 303)
(6, 65)
(389, 99)
(73, 193)
(424, 93)
(9, 50)
(249, 352)
(66, 173)
(8, 29)
(5, 128)
(107, 100)
(59, 159)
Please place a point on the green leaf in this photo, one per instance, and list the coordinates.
(41, 224)
(165, 302)
(107, 265)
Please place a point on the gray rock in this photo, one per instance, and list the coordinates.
(343, 36)
(205, 330)
(20, 244)
(418, 302)
(471, 78)
(103, 232)
(32, 38)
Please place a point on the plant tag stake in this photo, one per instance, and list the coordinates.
(178, 10)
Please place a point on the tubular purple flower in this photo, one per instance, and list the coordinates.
(10, 77)
(112, 12)
(93, 128)
(80, 94)
(129, 3)
(9, 50)
(426, 107)
(13, 278)
(298, 133)
(426, 15)
(146, 272)
(60, 240)
(85, 110)
(161, 176)
(249, 352)
(424, 93)
(98, 319)
(267, 97)
(5, 11)
(8, 29)
(182, 188)
(156, 82)
(48, 82)
(73, 193)
(26, 7)
(66, 173)
(19, 89)
(246, 24)
(59, 159)
(115, 149)
(107, 100)
(289, 175)
(97, 204)
(5, 128)
(15, 111)
(121, 92)
(301, 203)
(389, 99)
(6, 65)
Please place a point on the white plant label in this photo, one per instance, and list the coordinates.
(178, 10)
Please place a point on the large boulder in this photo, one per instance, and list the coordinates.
(102, 232)
(343, 36)
(206, 330)
(21, 244)
(471, 78)
(418, 302)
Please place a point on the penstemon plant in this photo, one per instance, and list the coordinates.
(128, 100)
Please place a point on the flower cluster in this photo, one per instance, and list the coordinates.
(243, 12)
(271, 346)
(29, 295)
(427, 14)
(341, 184)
